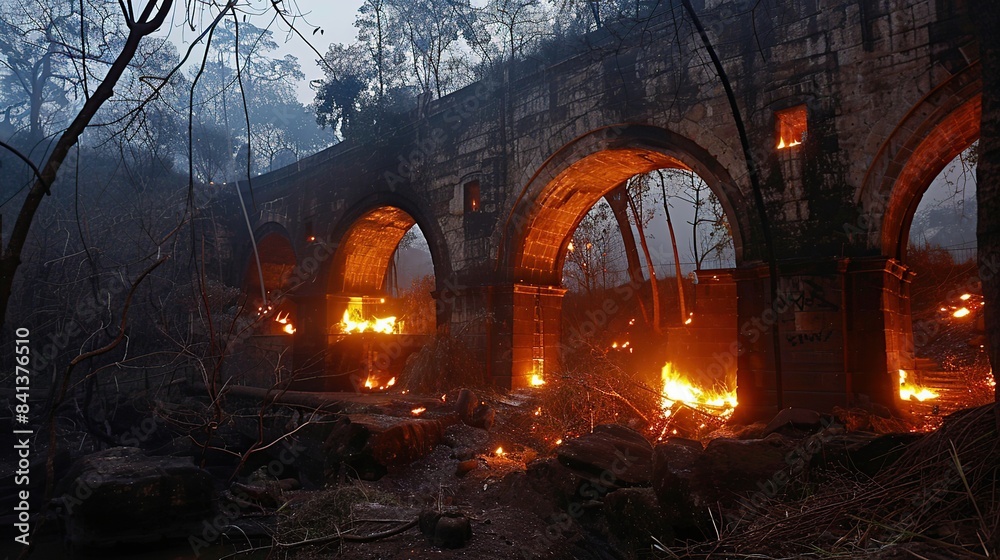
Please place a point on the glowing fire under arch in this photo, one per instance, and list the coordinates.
(277, 262)
(933, 133)
(540, 227)
(356, 288)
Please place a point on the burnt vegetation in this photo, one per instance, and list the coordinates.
(167, 407)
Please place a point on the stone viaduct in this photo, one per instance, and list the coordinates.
(882, 94)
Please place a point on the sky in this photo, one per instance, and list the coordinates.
(336, 19)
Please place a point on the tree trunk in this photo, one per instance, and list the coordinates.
(649, 263)
(673, 243)
(11, 258)
(618, 201)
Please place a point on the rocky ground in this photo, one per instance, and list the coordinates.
(466, 476)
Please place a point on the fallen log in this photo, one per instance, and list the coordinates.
(372, 443)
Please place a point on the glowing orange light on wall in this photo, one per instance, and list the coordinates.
(792, 126)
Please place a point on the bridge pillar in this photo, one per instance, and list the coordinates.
(526, 334)
(706, 349)
(844, 329)
(309, 349)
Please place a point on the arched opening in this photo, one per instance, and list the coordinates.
(275, 270)
(920, 223)
(951, 369)
(917, 155)
(931, 135)
(379, 298)
(539, 242)
(667, 335)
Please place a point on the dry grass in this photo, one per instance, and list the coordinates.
(326, 513)
(939, 500)
(572, 403)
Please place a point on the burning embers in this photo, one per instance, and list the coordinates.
(908, 390)
(282, 319)
(676, 388)
(690, 410)
(967, 304)
(372, 383)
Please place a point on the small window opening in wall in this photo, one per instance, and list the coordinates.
(472, 203)
(791, 125)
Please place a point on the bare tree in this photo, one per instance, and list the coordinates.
(636, 194)
(140, 23)
(673, 244)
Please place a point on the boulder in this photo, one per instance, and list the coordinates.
(634, 519)
(445, 529)
(729, 469)
(121, 496)
(553, 481)
(863, 452)
(612, 456)
(466, 441)
(483, 417)
(466, 405)
(795, 422)
(673, 471)
(465, 467)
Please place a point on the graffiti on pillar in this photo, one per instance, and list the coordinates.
(803, 338)
(812, 297)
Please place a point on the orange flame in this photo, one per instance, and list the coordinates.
(385, 325)
(782, 144)
(283, 320)
(720, 401)
(909, 391)
(372, 382)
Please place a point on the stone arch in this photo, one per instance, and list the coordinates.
(277, 260)
(366, 236)
(572, 180)
(935, 131)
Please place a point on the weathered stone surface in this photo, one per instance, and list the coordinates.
(729, 468)
(673, 470)
(123, 496)
(614, 455)
(885, 100)
(794, 422)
